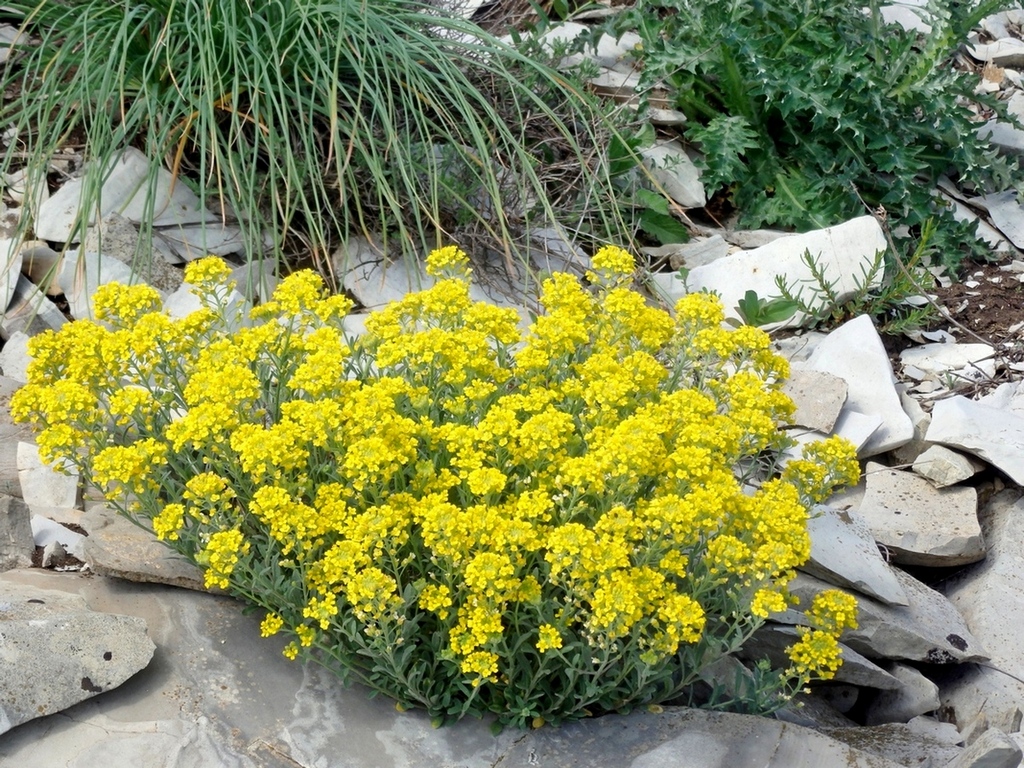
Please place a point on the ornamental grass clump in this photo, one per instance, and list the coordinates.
(471, 519)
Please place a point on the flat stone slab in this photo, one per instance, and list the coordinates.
(905, 743)
(42, 485)
(929, 629)
(57, 652)
(916, 695)
(818, 396)
(854, 352)
(937, 358)
(921, 524)
(943, 467)
(995, 435)
(222, 693)
(843, 552)
(16, 543)
(117, 547)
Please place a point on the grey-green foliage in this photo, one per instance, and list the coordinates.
(312, 120)
(807, 110)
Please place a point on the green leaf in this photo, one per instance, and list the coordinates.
(663, 227)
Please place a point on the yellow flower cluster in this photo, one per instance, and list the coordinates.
(817, 653)
(595, 482)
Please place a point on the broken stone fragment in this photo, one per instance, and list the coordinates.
(57, 652)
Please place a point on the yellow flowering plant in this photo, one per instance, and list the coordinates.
(468, 517)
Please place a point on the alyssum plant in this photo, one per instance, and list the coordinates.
(470, 519)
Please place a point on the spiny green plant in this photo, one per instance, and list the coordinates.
(313, 121)
(803, 108)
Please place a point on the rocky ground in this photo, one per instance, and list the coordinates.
(113, 655)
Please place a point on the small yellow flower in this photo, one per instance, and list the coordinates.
(548, 638)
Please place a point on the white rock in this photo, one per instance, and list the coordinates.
(10, 270)
(989, 234)
(918, 523)
(1008, 52)
(994, 749)
(1008, 396)
(843, 552)
(1005, 212)
(30, 312)
(916, 695)
(908, 453)
(45, 531)
(15, 187)
(256, 280)
(57, 652)
(14, 357)
(183, 302)
(41, 484)
(673, 169)
(53, 553)
(125, 192)
(212, 238)
(858, 428)
(695, 253)
(843, 253)
(911, 16)
(83, 272)
(854, 352)
(938, 359)
(42, 265)
(993, 435)
(8, 35)
(819, 397)
(944, 467)
(929, 629)
(901, 743)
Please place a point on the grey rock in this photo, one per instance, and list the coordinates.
(843, 552)
(695, 253)
(183, 302)
(912, 16)
(819, 397)
(993, 749)
(908, 452)
(993, 435)
(8, 36)
(255, 280)
(53, 553)
(944, 467)
(900, 742)
(197, 702)
(772, 640)
(30, 312)
(673, 169)
(855, 353)
(921, 524)
(929, 629)
(42, 485)
(10, 436)
(116, 237)
(14, 357)
(16, 544)
(1003, 207)
(57, 652)
(118, 547)
(974, 689)
(917, 695)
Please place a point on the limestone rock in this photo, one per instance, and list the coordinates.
(16, 544)
(843, 552)
(929, 629)
(772, 640)
(40, 263)
(918, 523)
(1002, 53)
(938, 359)
(10, 270)
(854, 352)
(30, 312)
(903, 743)
(994, 749)
(916, 695)
(842, 252)
(46, 531)
(944, 467)
(673, 169)
(819, 397)
(42, 485)
(1003, 207)
(82, 272)
(988, 433)
(56, 652)
(117, 547)
(14, 357)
